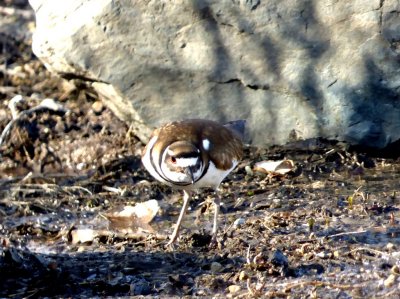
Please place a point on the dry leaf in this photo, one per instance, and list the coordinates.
(318, 185)
(139, 215)
(281, 167)
(145, 211)
(83, 235)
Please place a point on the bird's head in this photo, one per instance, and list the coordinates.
(182, 163)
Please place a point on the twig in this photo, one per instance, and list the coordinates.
(112, 189)
(47, 188)
(27, 177)
(316, 283)
(257, 291)
(388, 294)
(77, 188)
(248, 260)
(348, 233)
(7, 89)
(377, 252)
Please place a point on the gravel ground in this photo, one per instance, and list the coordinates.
(328, 228)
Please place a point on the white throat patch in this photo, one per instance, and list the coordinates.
(186, 162)
(177, 176)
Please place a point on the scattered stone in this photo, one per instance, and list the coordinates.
(324, 255)
(336, 253)
(390, 281)
(243, 275)
(395, 270)
(98, 107)
(215, 267)
(83, 235)
(248, 170)
(234, 289)
(238, 222)
(390, 246)
(279, 259)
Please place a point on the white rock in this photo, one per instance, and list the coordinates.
(238, 222)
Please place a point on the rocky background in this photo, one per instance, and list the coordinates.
(294, 69)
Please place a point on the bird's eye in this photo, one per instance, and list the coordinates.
(173, 160)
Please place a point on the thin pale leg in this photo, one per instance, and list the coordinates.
(217, 202)
(186, 198)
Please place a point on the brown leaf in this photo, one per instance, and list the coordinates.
(281, 167)
(139, 215)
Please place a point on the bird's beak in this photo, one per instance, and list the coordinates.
(189, 172)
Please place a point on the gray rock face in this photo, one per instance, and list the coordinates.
(292, 68)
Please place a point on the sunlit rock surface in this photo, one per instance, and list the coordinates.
(294, 69)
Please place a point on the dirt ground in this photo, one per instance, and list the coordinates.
(329, 228)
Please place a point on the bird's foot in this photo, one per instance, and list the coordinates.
(213, 243)
(170, 246)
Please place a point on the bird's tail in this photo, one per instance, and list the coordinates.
(237, 126)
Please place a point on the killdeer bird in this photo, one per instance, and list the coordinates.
(193, 154)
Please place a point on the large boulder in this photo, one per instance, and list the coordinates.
(295, 69)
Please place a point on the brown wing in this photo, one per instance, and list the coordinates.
(224, 144)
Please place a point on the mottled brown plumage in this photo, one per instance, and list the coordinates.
(225, 144)
(191, 154)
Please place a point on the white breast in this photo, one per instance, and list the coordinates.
(214, 176)
(212, 179)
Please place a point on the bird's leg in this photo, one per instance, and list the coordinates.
(217, 202)
(186, 198)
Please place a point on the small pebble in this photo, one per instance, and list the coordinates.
(277, 200)
(238, 222)
(243, 275)
(248, 170)
(395, 270)
(81, 166)
(97, 107)
(390, 246)
(234, 288)
(390, 280)
(215, 267)
(124, 192)
(279, 259)
(323, 255)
